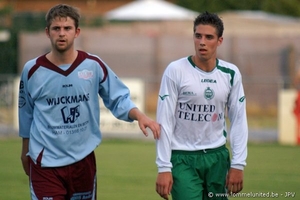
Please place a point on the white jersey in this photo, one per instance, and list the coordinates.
(59, 107)
(191, 111)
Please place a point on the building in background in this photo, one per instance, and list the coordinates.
(262, 45)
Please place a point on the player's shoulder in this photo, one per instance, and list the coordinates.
(92, 57)
(182, 60)
(30, 63)
(228, 65)
(176, 67)
(88, 54)
(178, 64)
(229, 68)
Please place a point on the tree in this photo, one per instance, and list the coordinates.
(282, 7)
(8, 46)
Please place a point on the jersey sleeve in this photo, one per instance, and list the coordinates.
(116, 96)
(238, 124)
(25, 105)
(165, 115)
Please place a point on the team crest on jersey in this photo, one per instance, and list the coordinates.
(85, 74)
(209, 93)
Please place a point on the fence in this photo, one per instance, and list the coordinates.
(254, 87)
(267, 63)
(8, 104)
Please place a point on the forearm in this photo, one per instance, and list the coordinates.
(145, 122)
(135, 114)
(238, 128)
(25, 146)
(163, 152)
(238, 142)
(24, 157)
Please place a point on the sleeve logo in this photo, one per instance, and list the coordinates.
(242, 99)
(163, 97)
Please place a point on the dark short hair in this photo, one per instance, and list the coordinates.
(63, 11)
(212, 19)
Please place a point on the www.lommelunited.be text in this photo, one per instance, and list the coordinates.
(254, 195)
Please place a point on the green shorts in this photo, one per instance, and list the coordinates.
(199, 175)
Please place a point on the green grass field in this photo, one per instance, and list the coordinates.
(127, 171)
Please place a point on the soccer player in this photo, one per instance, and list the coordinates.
(59, 112)
(196, 93)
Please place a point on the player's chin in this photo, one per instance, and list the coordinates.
(61, 49)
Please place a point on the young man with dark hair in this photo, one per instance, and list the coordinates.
(195, 93)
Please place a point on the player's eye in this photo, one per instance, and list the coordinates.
(197, 35)
(209, 37)
(55, 28)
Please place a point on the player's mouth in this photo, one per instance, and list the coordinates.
(61, 41)
(202, 51)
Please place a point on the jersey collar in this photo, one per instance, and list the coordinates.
(194, 65)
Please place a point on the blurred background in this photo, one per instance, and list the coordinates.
(138, 39)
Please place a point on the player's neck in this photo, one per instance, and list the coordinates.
(58, 58)
(205, 65)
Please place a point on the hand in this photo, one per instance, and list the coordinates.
(164, 184)
(25, 163)
(234, 180)
(24, 157)
(145, 122)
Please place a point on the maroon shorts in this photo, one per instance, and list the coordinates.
(75, 181)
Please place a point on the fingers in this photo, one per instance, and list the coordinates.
(25, 164)
(234, 188)
(164, 192)
(156, 132)
(153, 126)
(234, 181)
(164, 184)
(145, 132)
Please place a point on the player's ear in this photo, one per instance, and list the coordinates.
(47, 31)
(77, 32)
(220, 40)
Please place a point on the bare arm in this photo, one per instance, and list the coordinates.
(24, 158)
(145, 122)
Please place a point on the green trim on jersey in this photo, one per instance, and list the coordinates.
(225, 133)
(191, 61)
(227, 70)
(221, 68)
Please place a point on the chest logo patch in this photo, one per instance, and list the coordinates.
(85, 74)
(209, 93)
